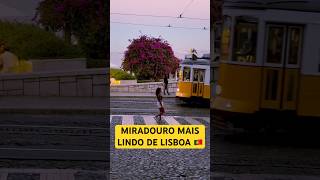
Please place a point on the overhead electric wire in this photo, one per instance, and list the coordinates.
(152, 25)
(185, 8)
(160, 16)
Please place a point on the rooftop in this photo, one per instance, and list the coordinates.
(296, 5)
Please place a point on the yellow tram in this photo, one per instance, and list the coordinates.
(270, 62)
(194, 79)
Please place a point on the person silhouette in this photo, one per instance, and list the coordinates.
(7, 59)
(165, 81)
(159, 103)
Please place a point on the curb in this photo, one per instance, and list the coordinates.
(128, 96)
(55, 111)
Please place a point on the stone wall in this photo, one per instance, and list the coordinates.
(143, 87)
(58, 65)
(84, 83)
(127, 82)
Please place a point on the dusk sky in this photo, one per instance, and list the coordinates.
(180, 39)
(18, 7)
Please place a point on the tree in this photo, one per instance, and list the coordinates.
(87, 20)
(150, 58)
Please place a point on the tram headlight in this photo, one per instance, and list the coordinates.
(178, 89)
(218, 89)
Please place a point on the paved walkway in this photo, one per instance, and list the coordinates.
(166, 120)
(131, 94)
(72, 174)
(51, 174)
(36, 104)
(223, 176)
(24, 104)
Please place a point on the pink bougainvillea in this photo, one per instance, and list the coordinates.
(150, 58)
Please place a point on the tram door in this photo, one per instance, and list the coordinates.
(282, 58)
(198, 82)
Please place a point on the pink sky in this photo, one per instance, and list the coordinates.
(181, 40)
(162, 7)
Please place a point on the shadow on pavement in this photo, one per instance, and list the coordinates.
(301, 139)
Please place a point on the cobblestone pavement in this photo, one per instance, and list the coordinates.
(51, 174)
(279, 156)
(226, 176)
(148, 106)
(53, 147)
(160, 164)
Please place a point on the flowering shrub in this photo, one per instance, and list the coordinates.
(150, 58)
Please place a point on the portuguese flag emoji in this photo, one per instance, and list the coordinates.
(198, 142)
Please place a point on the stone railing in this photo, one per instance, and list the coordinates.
(142, 87)
(84, 83)
(58, 65)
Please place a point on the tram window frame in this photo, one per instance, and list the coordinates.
(195, 77)
(246, 23)
(179, 73)
(226, 36)
(298, 52)
(178, 77)
(319, 62)
(273, 46)
(218, 28)
(183, 74)
(202, 74)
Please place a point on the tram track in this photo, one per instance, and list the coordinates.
(258, 168)
(52, 130)
(248, 158)
(265, 166)
(47, 142)
(239, 153)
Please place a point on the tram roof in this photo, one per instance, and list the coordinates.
(294, 5)
(196, 62)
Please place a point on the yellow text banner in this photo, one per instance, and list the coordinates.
(160, 136)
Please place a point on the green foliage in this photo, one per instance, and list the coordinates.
(87, 20)
(119, 74)
(31, 42)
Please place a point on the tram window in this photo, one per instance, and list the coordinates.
(201, 76)
(178, 76)
(180, 73)
(295, 37)
(195, 74)
(245, 42)
(198, 75)
(226, 36)
(186, 74)
(319, 60)
(275, 44)
(217, 38)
